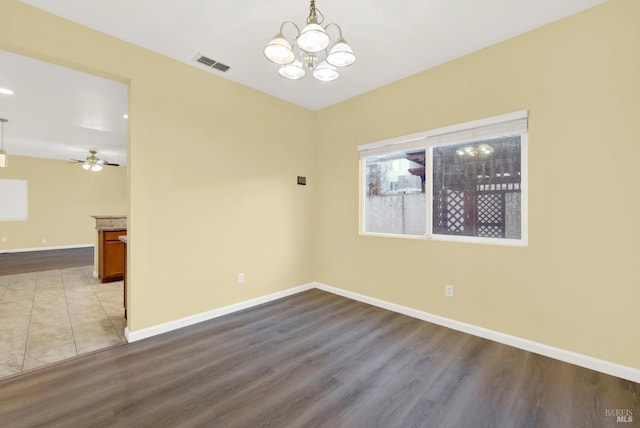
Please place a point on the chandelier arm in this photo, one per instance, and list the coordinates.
(292, 23)
(326, 27)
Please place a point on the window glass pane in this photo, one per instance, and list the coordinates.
(476, 188)
(395, 200)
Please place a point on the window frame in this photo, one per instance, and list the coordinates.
(515, 123)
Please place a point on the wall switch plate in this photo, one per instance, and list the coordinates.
(448, 290)
(240, 278)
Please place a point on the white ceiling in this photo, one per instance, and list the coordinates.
(392, 40)
(58, 113)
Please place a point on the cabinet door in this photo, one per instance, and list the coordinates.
(113, 260)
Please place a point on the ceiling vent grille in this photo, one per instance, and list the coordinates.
(211, 63)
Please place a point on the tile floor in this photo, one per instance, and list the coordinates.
(53, 315)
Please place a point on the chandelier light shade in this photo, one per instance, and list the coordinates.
(341, 54)
(279, 50)
(311, 50)
(293, 71)
(313, 38)
(325, 72)
(4, 161)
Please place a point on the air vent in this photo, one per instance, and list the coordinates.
(220, 66)
(211, 63)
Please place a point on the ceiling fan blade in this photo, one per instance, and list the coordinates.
(111, 164)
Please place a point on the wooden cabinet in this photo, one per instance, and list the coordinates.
(111, 255)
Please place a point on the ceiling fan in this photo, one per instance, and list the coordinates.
(93, 162)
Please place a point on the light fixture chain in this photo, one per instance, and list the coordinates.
(312, 13)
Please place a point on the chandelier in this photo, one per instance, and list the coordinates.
(310, 50)
(3, 154)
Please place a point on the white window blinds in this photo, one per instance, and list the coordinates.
(497, 126)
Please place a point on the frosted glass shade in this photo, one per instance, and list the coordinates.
(313, 38)
(325, 72)
(293, 71)
(341, 55)
(279, 51)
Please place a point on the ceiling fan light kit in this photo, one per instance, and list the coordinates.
(309, 50)
(93, 163)
(95, 167)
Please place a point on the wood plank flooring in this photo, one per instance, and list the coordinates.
(38, 261)
(315, 360)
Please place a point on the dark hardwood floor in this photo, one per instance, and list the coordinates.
(315, 360)
(38, 261)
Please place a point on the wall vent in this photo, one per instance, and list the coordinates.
(211, 63)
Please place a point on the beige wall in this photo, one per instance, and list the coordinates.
(212, 173)
(62, 197)
(576, 286)
(212, 184)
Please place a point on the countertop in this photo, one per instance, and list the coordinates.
(110, 222)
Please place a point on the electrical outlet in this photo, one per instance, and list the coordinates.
(240, 278)
(4, 239)
(448, 290)
(44, 241)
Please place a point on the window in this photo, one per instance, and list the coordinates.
(395, 197)
(466, 182)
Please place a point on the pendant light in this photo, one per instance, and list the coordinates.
(3, 155)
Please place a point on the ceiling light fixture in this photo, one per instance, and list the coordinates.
(3, 155)
(92, 163)
(5, 91)
(310, 50)
(482, 149)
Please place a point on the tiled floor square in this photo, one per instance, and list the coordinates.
(54, 315)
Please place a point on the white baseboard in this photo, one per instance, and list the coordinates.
(59, 247)
(133, 336)
(581, 360)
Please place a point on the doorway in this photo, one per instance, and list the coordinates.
(56, 116)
